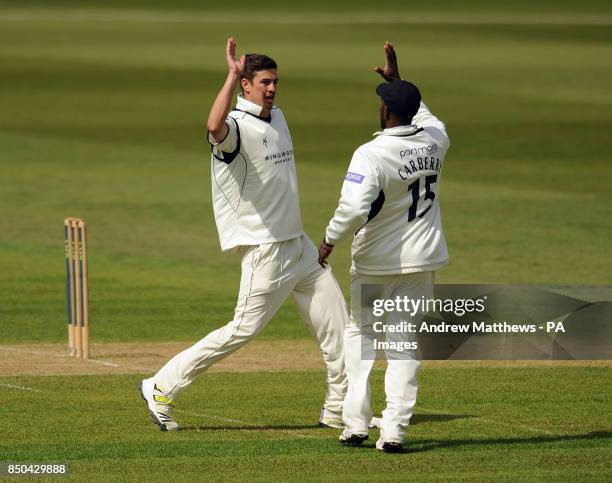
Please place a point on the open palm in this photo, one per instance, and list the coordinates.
(235, 66)
(391, 70)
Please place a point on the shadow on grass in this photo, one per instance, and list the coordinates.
(416, 419)
(428, 445)
(279, 427)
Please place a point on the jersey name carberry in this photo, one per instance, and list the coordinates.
(390, 202)
(419, 164)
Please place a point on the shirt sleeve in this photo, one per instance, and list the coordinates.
(425, 119)
(360, 189)
(227, 145)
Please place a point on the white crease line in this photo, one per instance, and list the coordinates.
(303, 436)
(20, 388)
(103, 363)
(516, 425)
(36, 353)
(219, 418)
(292, 432)
(494, 421)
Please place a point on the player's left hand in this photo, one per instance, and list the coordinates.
(325, 250)
(391, 70)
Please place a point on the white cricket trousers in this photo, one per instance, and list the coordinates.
(270, 273)
(401, 374)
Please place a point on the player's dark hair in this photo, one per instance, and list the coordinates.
(254, 63)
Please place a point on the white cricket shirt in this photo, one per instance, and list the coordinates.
(389, 200)
(254, 182)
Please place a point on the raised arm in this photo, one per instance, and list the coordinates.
(391, 70)
(423, 118)
(220, 108)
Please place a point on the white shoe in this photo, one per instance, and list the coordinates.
(391, 445)
(160, 406)
(375, 422)
(329, 419)
(352, 439)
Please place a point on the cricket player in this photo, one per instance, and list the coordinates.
(390, 203)
(256, 206)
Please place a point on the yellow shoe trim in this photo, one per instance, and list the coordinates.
(163, 399)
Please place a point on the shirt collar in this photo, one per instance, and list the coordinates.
(248, 106)
(397, 131)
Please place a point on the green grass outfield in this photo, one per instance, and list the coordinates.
(102, 114)
(471, 424)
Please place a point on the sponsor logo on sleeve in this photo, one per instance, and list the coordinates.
(354, 177)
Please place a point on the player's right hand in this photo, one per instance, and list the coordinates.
(325, 250)
(391, 70)
(235, 66)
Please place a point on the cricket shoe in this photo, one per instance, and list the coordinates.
(375, 422)
(160, 406)
(353, 439)
(390, 445)
(329, 419)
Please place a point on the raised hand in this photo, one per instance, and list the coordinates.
(235, 66)
(391, 71)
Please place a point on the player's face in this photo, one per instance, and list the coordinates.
(262, 90)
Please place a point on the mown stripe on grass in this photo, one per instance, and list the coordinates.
(343, 18)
